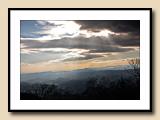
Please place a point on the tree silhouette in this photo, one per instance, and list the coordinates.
(135, 67)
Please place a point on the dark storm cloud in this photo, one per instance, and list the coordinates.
(94, 44)
(112, 25)
(127, 41)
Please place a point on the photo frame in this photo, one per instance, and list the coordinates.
(115, 28)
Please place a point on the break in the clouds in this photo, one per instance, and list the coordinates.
(53, 42)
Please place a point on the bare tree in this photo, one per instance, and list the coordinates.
(135, 67)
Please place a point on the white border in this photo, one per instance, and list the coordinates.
(142, 104)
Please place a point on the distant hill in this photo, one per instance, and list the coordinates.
(74, 80)
(49, 77)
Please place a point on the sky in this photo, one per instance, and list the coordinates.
(71, 45)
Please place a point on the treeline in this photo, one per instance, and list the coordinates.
(95, 89)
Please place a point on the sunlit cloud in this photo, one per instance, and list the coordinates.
(89, 34)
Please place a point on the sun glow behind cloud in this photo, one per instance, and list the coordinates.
(61, 29)
(65, 29)
(104, 33)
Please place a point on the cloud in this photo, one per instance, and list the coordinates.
(95, 44)
(111, 49)
(83, 56)
(52, 30)
(74, 49)
(33, 56)
(48, 30)
(112, 25)
(45, 23)
(126, 40)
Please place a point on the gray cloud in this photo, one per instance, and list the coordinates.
(94, 44)
(126, 40)
(111, 49)
(113, 25)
